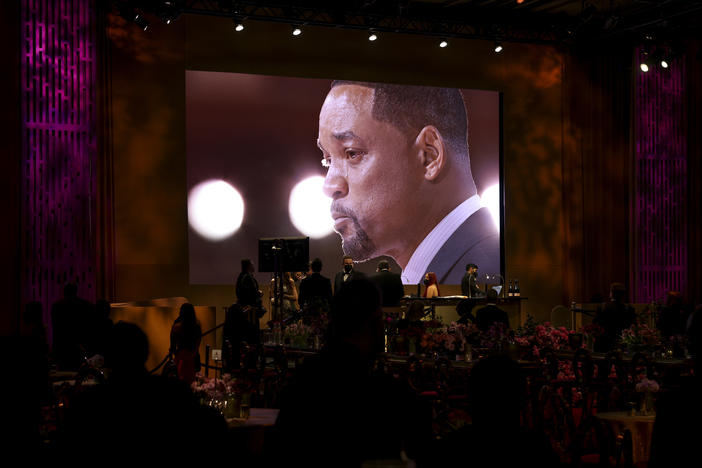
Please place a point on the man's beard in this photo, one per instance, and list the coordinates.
(359, 246)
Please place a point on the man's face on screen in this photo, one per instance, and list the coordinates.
(372, 174)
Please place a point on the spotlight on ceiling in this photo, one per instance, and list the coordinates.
(664, 63)
(498, 47)
(238, 27)
(372, 36)
(644, 67)
(443, 43)
(142, 22)
(296, 31)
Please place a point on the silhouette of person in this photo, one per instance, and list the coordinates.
(677, 430)
(138, 414)
(495, 438)
(69, 317)
(336, 412)
(99, 329)
(237, 330)
(186, 333)
(315, 289)
(614, 316)
(486, 316)
(389, 284)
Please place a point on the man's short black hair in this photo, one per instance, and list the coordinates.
(345, 257)
(411, 108)
(383, 265)
(245, 263)
(471, 265)
(316, 265)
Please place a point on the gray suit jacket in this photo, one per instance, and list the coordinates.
(475, 241)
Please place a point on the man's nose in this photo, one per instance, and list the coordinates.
(335, 184)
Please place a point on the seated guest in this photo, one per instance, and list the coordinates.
(335, 411)
(413, 316)
(138, 414)
(465, 310)
(496, 397)
(614, 317)
(315, 290)
(487, 316)
(389, 284)
(185, 343)
(432, 285)
(677, 431)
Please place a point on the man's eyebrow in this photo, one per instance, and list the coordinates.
(347, 135)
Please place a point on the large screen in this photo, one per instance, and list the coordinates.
(377, 171)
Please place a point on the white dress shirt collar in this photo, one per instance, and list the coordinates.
(427, 249)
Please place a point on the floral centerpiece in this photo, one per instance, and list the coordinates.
(591, 332)
(648, 388)
(540, 336)
(451, 340)
(641, 337)
(298, 335)
(224, 394)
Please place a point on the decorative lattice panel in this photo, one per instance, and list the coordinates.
(660, 182)
(58, 79)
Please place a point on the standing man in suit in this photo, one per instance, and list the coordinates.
(315, 289)
(469, 283)
(346, 275)
(400, 180)
(389, 284)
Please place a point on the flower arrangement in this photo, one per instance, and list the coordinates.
(641, 337)
(646, 385)
(298, 334)
(225, 394)
(495, 338)
(537, 337)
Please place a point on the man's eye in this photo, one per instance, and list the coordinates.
(354, 154)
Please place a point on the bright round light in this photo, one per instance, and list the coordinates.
(644, 67)
(498, 49)
(664, 64)
(215, 209)
(490, 199)
(309, 208)
(372, 37)
(443, 44)
(297, 32)
(239, 27)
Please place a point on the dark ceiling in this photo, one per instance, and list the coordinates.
(534, 21)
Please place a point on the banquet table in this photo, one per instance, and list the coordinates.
(640, 427)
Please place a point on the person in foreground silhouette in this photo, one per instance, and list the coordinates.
(677, 431)
(336, 411)
(497, 393)
(136, 413)
(69, 317)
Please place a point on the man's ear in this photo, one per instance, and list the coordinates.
(431, 151)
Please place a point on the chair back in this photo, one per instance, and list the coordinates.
(561, 316)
